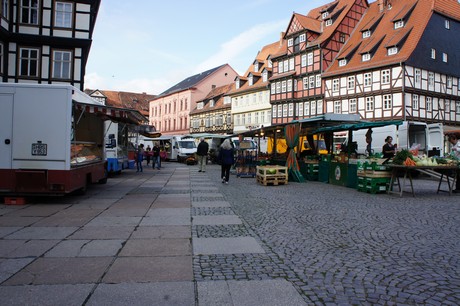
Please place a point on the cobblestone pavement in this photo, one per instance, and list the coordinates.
(337, 245)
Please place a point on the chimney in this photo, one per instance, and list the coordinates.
(281, 38)
(382, 4)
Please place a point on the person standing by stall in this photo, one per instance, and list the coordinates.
(156, 162)
(202, 152)
(227, 159)
(453, 139)
(389, 149)
(148, 154)
(139, 157)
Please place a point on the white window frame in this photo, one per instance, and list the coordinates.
(4, 9)
(351, 82)
(367, 79)
(352, 106)
(63, 14)
(291, 64)
(444, 57)
(200, 105)
(386, 76)
(29, 11)
(366, 57)
(307, 109)
(300, 108)
(399, 24)
(328, 22)
(302, 38)
(256, 66)
(289, 86)
(449, 81)
(286, 65)
(250, 80)
(278, 87)
(280, 67)
(342, 62)
(273, 88)
(275, 114)
(303, 60)
(429, 104)
(291, 110)
(313, 108)
(311, 81)
(280, 110)
(29, 61)
(318, 80)
(457, 107)
(387, 102)
(285, 110)
(433, 53)
(415, 102)
(366, 33)
(447, 24)
(62, 64)
(283, 86)
(337, 107)
(430, 79)
(369, 103)
(335, 85)
(392, 50)
(305, 82)
(417, 76)
(310, 59)
(265, 76)
(290, 42)
(324, 15)
(211, 103)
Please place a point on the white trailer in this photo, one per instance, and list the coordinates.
(51, 139)
(176, 148)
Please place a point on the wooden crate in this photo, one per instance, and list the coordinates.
(266, 177)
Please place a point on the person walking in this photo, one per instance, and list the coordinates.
(202, 152)
(227, 159)
(156, 162)
(455, 151)
(139, 157)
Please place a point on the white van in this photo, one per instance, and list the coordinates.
(176, 147)
(430, 137)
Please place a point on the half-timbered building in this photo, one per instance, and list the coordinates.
(313, 42)
(46, 41)
(213, 113)
(402, 62)
(251, 108)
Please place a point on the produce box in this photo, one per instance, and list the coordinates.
(272, 175)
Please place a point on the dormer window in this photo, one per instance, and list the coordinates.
(211, 103)
(251, 80)
(237, 84)
(367, 34)
(256, 66)
(227, 100)
(325, 14)
(342, 62)
(328, 22)
(399, 24)
(366, 57)
(302, 38)
(447, 24)
(200, 105)
(269, 63)
(265, 76)
(392, 50)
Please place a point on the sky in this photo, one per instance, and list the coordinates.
(151, 45)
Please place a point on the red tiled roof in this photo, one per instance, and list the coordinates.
(130, 100)
(309, 23)
(217, 94)
(405, 38)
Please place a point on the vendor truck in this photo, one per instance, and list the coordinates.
(51, 139)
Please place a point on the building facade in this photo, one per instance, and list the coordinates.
(402, 62)
(170, 111)
(313, 42)
(46, 41)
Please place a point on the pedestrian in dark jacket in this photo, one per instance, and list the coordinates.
(139, 157)
(202, 153)
(227, 159)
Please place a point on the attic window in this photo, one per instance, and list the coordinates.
(447, 24)
(399, 24)
(199, 105)
(265, 76)
(392, 50)
(367, 34)
(366, 57)
(328, 22)
(256, 66)
(211, 103)
(290, 42)
(325, 14)
(237, 84)
(251, 80)
(342, 62)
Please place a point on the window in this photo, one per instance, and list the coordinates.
(449, 82)
(256, 66)
(302, 38)
(328, 22)
(250, 80)
(418, 76)
(367, 79)
(385, 76)
(291, 64)
(303, 60)
(211, 103)
(243, 119)
(457, 107)
(278, 87)
(351, 82)
(283, 86)
(444, 57)
(337, 107)
(341, 37)
(342, 62)
(280, 67)
(291, 109)
(227, 100)
(429, 104)
(415, 104)
(199, 105)
(229, 119)
(335, 85)
(307, 109)
(285, 110)
(367, 34)
(392, 50)
(399, 24)
(286, 65)
(310, 59)
(265, 76)
(325, 14)
(4, 9)
(290, 42)
(272, 88)
(447, 106)
(387, 102)
(280, 110)
(274, 111)
(62, 64)
(300, 108)
(366, 57)
(430, 79)
(352, 106)
(369, 103)
(237, 84)
(447, 24)
(313, 108)
(305, 83)
(28, 62)
(318, 80)
(289, 85)
(311, 83)
(29, 11)
(433, 53)
(63, 15)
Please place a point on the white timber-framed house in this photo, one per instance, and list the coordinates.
(46, 41)
(402, 62)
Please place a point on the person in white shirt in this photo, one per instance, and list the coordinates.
(453, 139)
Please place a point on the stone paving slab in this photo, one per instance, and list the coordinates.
(210, 204)
(164, 199)
(61, 271)
(239, 245)
(8, 267)
(157, 247)
(249, 293)
(124, 212)
(5, 231)
(168, 212)
(166, 220)
(69, 218)
(216, 220)
(103, 232)
(86, 248)
(164, 232)
(38, 210)
(44, 233)
(25, 248)
(114, 221)
(140, 294)
(43, 295)
(7, 220)
(150, 269)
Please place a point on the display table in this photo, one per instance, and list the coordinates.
(447, 173)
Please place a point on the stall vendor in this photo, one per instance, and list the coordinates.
(389, 149)
(453, 139)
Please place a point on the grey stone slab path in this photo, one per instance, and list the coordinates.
(179, 237)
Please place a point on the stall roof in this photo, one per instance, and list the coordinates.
(356, 126)
(205, 135)
(115, 114)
